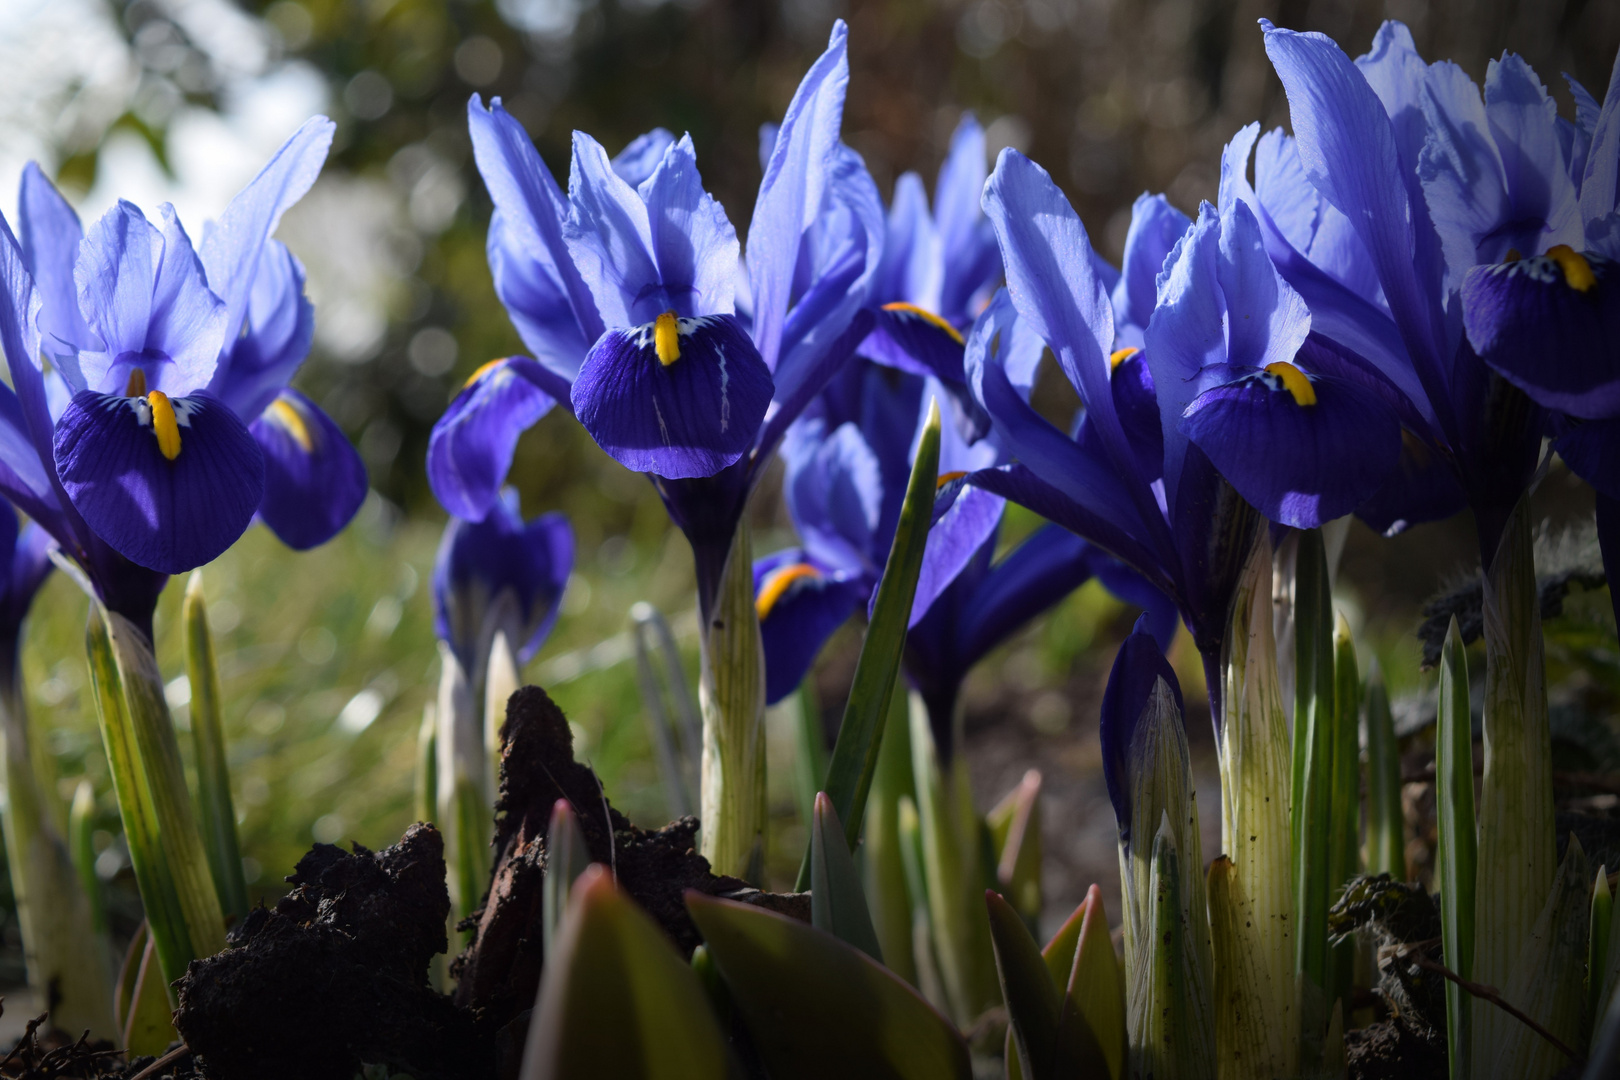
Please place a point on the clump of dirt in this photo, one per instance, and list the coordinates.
(499, 973)
(1393, 1050)
(336, 976)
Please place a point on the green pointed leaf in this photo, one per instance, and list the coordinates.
(145, 1024)
(809, 749)
(888, 896)
(819, 1008)
(427, 765)
(1046, 1047)
(616, 1000)
(1015, 828)
(1344, 844)
(855, 753)
(837, 902)
(1095, 989)
(1386, 823)
(1610, 976)
(1597, 953)
(567, 856)
(1456, 854)
(216, 815)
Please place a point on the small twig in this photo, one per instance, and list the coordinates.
(178, 1053)
(26, 1040)
(1414, 953)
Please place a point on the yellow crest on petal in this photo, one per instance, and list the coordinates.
(290, 420)
(778, 583)
(1577, 271)
(164, 424)
(928, 317)
(1294, 381)
(667, 338)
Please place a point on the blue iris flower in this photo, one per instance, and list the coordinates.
(848, 461)
(679, 359)
(500, 575)
(1399, 179)
(148, 419)
(25, 562)
(1229, 407)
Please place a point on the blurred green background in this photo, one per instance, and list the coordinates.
(328, 658)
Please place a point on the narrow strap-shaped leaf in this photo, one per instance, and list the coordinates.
(427, 765)
(1047, 1048)
(837, 902)
(1095, 990)
(816, 1007)
(218, 816)
(1386, 824)
(1456, 854)
(855, 754)
(1597, 952)
(567, 856)
(1344, 815)
(1015, 828)
(809, 748)
(888, 895)
(164, 917)
(611, 961)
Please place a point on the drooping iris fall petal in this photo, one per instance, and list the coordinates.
(470, 450)
(675, 397)
(799, 605)
(314, 480)
(168, 484)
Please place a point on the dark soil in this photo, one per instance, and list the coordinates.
(499, 973)
(335, 977)
(1392, 1050)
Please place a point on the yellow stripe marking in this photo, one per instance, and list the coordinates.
(927, 317)
(164, 425)
(1294, 381)
(947, 477)
(483, 369)
(667, 338)
(292, 422)
(1119, 356)
(778, 583)
(1577, 271)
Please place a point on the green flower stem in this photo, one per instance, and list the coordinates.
(1251, 891)
(171, 868)
(465, 814)
(731, 694)
(81, 844)
(1516, 844)
(213, 774)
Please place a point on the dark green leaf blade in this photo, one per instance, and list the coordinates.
(837, 901)
(818, 1008)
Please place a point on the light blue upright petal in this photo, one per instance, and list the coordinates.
(972, 263)
(790, 195)
(693, 242)
(610, 239)
(188, 321)
(1461, 170)
(1053, 285)
(231, 250)
(1186, 335)
(1395, 71)
(1155, 228)
(1600, 183)
(117, 267)
(1267, 320)
(834, 492)
(50, 234)
(536, 300)
(1524, 121)
(1281, 186)
(954, 540)
(532, 210)
(912, 259)
(1347, 145)
(637, 161)
(280, 327)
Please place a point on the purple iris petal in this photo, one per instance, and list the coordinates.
(277, 335)
(50, 234)
(500, 574)
(536, 301)
(972, 261)
(1592, 452)
(1551, 331)
(314, 481)
(971, 522)
(1422, 487)
(911, 266)
(916, 340)
(800, 604)
(532, 210)
(232, 249)
(1155, 228)
(834, 491)
(637, 161)
(1138, 669)
(685, 408)
(790, 195)
(1302, 451)
(470, 450)
(168, 514)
